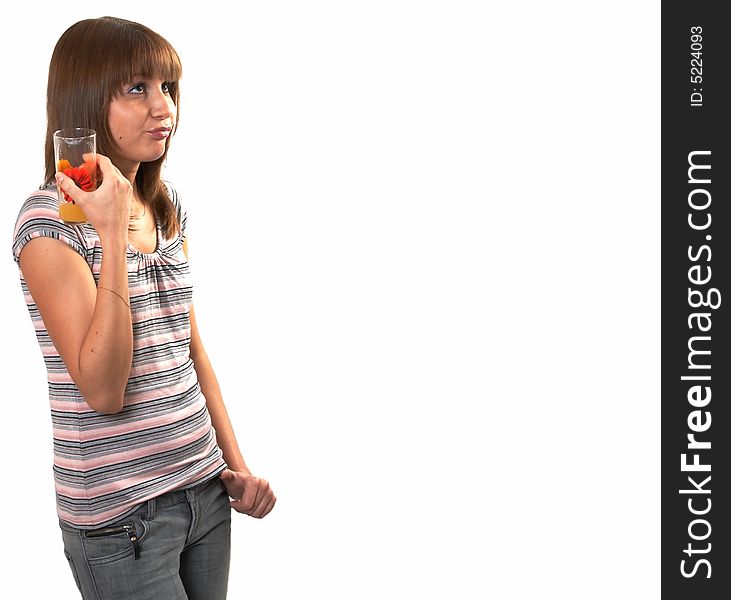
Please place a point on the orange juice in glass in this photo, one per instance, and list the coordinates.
(75, 153)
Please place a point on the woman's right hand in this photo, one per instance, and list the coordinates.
(107, 208)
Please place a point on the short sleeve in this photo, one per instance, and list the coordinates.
(38, 217)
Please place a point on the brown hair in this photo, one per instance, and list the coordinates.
(91, 62)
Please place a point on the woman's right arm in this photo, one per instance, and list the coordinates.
(90, 325)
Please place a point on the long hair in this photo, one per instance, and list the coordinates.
(91, 62)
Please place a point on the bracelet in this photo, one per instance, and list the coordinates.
(116, 294)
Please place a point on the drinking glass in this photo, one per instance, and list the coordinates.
(75, 153)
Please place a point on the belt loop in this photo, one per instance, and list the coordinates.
(151, 509)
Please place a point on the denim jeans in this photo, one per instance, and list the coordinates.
(173, 547)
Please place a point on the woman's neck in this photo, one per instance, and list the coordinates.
(127, 168)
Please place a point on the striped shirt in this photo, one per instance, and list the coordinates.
(163, 439)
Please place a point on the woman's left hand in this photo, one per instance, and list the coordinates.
(251, 495)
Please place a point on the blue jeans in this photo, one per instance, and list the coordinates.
(173, 547)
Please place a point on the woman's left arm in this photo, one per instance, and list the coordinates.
(251, 495)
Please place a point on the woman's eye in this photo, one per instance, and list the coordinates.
(141, 88)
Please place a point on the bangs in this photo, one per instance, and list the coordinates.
(154, 59)
(139, 52)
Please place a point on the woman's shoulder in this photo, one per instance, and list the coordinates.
(41, 203)
(44, 196)
(172, 192)
(180, 211)
(38, 216)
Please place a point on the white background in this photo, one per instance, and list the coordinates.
(425, 237)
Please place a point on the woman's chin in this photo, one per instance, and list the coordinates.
(153, 156)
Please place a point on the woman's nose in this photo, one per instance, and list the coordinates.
(162, 105)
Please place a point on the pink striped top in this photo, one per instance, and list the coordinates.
(163, 439)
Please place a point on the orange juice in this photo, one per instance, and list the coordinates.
(71, 213)
(84, 176)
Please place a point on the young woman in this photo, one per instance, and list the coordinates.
(145, 458)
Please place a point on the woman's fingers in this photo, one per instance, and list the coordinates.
(105, 165)
(257, 500)
(68, 185)
(69, 188)
(264, 508)
(106, 207)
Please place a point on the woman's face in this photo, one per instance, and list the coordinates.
(141, 117)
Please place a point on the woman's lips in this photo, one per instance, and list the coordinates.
(160, 133)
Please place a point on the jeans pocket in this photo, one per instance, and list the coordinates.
(114, 543)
